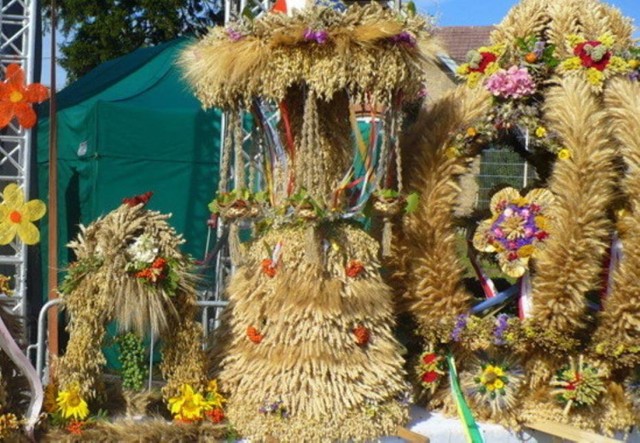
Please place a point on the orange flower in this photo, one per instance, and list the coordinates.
(362, 335)
(254, 335)
(75, 427)
(16, 98)
(216, 415)
(268, 267)
(354, 268)
(531, 57)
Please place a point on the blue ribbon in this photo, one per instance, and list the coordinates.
(502, 297)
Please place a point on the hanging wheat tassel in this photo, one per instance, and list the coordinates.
(235, 246)
(227, 149)
(583, 186)
(617, 333)
(238, 139)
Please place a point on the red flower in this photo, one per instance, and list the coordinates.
(216, 415)
(589, 62)
(138, 199)
(354, 268)
(429, 358)
(268, 267)
(156, 272)
(159, 263)
(541, 235)
(16, 98)
(75, 427)
(430, 377)
(362, 335)
(254, 335)
(487, 59)
(512, 256)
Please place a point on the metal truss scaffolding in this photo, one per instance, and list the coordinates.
(17, 40)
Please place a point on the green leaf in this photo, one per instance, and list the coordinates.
(388, 193)
(411, 8)
(412, 202)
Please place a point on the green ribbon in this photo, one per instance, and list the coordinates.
(471, 428)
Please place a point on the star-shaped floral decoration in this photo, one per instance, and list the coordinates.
(17, 98)
(17, 216)
(516, 230)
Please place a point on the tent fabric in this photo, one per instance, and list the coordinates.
(128, 127)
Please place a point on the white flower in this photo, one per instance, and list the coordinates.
(143, 249)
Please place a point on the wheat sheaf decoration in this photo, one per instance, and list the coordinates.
(129, 269)
(563, 77)
(331, 51)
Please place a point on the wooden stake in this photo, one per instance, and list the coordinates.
(53, 195)
(570, 433)
(411, 436)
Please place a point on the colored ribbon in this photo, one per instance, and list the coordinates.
(488, 287)
(525, 303)
(500, 298)
(471, 428)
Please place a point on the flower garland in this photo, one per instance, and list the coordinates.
(594, 60)
(517, 80)
(516, 230)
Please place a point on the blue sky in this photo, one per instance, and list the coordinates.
(491, 12)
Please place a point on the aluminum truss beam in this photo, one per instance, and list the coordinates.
(17, 44)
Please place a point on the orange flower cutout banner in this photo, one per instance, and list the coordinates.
(17, 216)
(16, 98)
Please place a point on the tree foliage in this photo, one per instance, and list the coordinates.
(100, 30)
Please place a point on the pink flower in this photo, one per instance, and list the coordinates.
(513, 83)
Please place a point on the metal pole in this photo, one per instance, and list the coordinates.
(53, 193)
(41, 341)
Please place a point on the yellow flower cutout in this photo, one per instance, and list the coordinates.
(71, 404)
(541, 132)
(188, 405)
(17, 216)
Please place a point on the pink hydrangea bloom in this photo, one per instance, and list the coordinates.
(514, 83)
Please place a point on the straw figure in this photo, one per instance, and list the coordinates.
(129, 269)
(306, 350)
(563, 77)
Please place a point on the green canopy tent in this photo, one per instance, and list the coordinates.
(131, 126)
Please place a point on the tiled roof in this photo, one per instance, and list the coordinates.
(458, 40)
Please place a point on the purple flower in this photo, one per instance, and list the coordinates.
(513, 83)
(319, 37)
(538, 48)
(461, 323)
(404, 38)
(234, 35)
(501, 327)
(634, 76)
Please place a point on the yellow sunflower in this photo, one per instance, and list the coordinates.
(17, 216)
(188, 405)
(71, 403)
